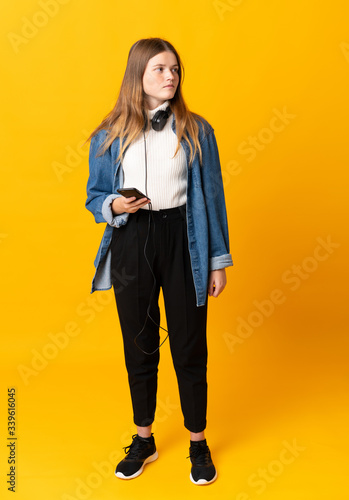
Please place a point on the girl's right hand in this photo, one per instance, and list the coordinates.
(129, 205)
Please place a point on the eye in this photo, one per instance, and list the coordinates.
(175, 70)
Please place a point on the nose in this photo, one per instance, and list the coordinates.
(169, 75)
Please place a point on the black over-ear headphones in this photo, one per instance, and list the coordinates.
(160, 118)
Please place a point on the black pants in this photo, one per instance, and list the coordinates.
(162, 239)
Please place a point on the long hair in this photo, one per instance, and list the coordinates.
(128, 118)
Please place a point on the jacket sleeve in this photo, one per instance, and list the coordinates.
(100, 184)
(215, 204)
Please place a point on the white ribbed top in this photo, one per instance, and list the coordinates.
(166, 176)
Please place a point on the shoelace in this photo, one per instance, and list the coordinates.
(133, 449)
(202, 455)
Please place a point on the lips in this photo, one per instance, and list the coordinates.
(169, 87)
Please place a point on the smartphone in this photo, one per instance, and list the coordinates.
(128, 192)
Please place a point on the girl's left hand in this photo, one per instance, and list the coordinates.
(216, 282)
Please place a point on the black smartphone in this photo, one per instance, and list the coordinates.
(128, 192)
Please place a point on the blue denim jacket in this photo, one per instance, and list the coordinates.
(207, 225)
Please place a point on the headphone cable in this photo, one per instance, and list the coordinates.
(146, 258)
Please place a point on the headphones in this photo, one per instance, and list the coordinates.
(160, 118)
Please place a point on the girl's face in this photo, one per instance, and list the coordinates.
(160, 79)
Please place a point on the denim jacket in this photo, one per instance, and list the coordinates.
(207, 225)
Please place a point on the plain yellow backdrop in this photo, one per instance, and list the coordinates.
(272, 78)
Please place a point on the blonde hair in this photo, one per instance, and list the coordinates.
(128, 117)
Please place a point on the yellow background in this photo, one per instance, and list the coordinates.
(279, 383)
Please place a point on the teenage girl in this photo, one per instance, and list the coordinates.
(172, 235)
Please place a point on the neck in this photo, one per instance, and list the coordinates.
(153, 103)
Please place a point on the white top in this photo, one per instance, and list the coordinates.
(166, 176)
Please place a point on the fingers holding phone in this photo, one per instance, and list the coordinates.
(130, 201)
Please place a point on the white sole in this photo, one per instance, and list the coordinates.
(152, 458)
(203, 482)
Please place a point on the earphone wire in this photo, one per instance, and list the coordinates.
(146, 258)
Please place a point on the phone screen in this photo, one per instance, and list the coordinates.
(128, 192)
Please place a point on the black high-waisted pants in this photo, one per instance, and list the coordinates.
(163, 239)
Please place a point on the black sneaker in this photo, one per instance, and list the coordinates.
(203, 471)
(140, 452)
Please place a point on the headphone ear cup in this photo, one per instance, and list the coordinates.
(160, 118)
